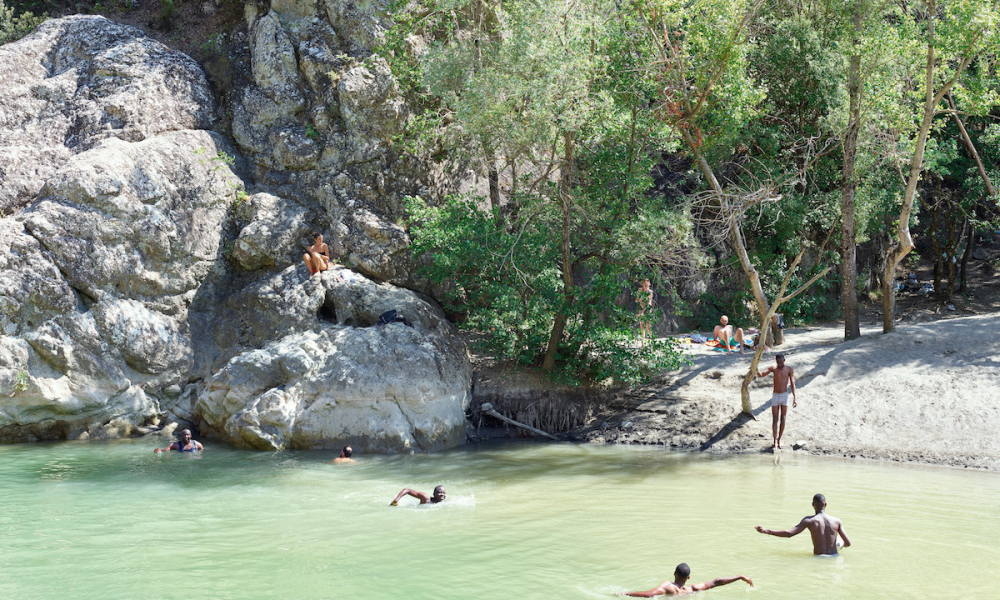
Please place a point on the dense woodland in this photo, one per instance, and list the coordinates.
(736, 152)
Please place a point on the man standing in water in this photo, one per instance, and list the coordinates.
(438, 496)
(824, 529)
(783, 380)
(345, 456)
(186, 444)
(677, 587)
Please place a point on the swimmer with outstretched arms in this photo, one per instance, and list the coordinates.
(679, 587)
(437, 496)
(186, 444)
(823, 528)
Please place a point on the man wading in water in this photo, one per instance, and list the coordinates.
(677, 587)
(783, 378)
(424, 498)
(824, 529)
(185, 445)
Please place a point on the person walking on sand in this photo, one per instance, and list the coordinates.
(644, 297)
(784, 379)
(678, 586)
(317, 256)
(824, 529)
(438, 496)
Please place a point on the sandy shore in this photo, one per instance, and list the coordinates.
(927, 393)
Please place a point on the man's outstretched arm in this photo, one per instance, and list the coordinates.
(786, 534)
(720, 581)
(663, 588)
(424, 498)
(767, 372)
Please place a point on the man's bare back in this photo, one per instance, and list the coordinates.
(823, 528)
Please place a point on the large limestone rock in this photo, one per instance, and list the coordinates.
(98, 279)
(316, 113)
(388, 388)
(139, 279)
(82, 79)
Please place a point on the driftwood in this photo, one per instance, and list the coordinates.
(487, 409)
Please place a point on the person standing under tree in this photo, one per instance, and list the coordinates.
(644, 297)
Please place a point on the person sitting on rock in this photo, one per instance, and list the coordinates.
(727, 337)
(345, 456)
(438, 496)
(186, 444)
(317, 256)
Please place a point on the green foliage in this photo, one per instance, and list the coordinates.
(165, 18)
(15, 26)
(504, 284)
(311, 132)
(215, 45)
(21, 381)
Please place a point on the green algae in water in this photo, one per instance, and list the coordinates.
(113, 520)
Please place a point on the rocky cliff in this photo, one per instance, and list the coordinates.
(151, 267)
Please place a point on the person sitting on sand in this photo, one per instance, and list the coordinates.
(678, 586)
(784, 378)
(727, 337)
(824, 529)
(345, 456)
(438, 496)
(317, 256)
(186, 444)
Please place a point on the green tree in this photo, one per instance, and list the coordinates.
(532, 92)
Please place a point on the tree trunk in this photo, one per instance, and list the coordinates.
(848, 250)
(566, 203)
(969, 246)
(905, 243)
(734, 229)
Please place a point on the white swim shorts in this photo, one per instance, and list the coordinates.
(779, 399)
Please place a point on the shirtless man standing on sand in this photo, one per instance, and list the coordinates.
(677, 587)
(824, 529)
(317, 256)
(783, 379)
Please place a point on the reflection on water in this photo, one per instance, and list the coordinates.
(113, 520)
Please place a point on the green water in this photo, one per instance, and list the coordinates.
(113, 520)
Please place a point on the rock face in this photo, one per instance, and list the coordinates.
(140, 279)
(387, 388)
(314, 112)
(79, 80)
(99, 277)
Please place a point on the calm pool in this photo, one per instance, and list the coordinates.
(113, 520)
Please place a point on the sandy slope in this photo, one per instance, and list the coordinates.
(925, 393)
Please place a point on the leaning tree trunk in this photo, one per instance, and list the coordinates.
(734, 227)
(779, 300)
(905, 243)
